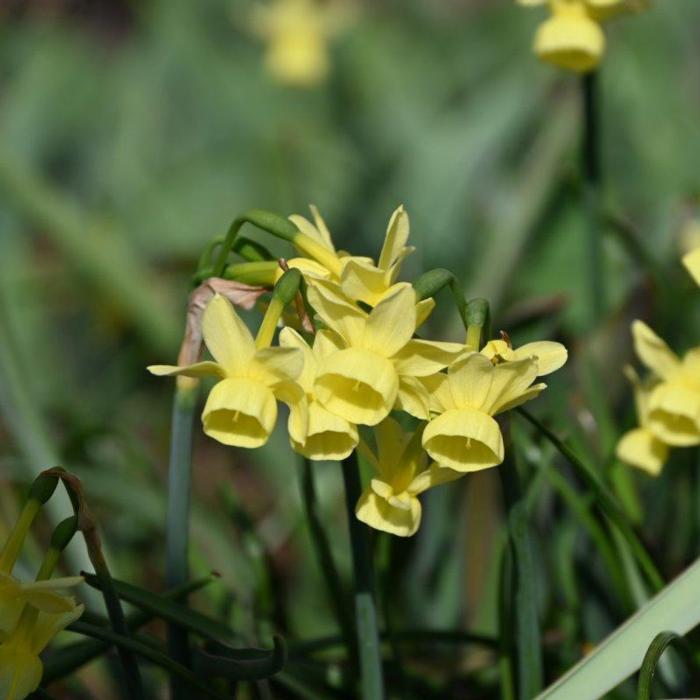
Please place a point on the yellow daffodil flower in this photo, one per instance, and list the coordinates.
(691, 261)
(47, 596)
(20, 666)
(328, 437)
(570, 38)
(464, 436)
(640, 447)
(241, 409)
(297, 33)
(390, 502)
(550, 356)
(673, 412)
(378, 365)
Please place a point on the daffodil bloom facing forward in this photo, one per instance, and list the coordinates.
(20, 666)
(328, 437)
(390, 502)
(378, 365)
(673, 412)
(241, 409)
(640, 447)
(570, 38)
(550, 356)
(464, 436)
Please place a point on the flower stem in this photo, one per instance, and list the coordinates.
(591, 163)
(178, 515)
(371, 674)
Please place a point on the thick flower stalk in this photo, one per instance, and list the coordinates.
(241, 408)
(463, 435)
(402, 472)
(378, 363)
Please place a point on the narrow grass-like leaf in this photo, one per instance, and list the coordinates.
(160, 606)
(651, 659)
(240, 664)
(674, 609)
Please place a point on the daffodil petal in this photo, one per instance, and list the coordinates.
(511, 385)
(420, 358)
(292, 394)
(49, 625)
(439, 394)
(433, 476)
(642, 449)
(413, 397)
(423, 310)
(392, 322)
(653, 351)
(363, 281)
(550, 356)
(282, 363)
(381, 515)
(199, 369)
(396, 237)
(20, 672)
(328, 438)
(240, 412)
(674, 414)
(692, 263)
(464, 440)
(470, 381)
(336, 311)
(226, 336)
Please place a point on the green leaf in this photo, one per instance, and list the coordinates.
(651, 659)
(674, 609)
(160, 606)
(239, 664)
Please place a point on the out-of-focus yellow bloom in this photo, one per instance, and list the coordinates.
(570, 38)
(390, 502)
(379, 363)
(550, 356)
(20, 666)
(640, 447)
(241, 409)
(673, 411)
(328, 437)
(297, 33)
(603, 10)
(464, 436)
(691, 261)
(47, 596)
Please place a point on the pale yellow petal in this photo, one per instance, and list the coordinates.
(240, 412)
(413, 397)
(392, 322)
(362, 281)
(653, 351)
(295, 398)
(280, 363)
(329, 437)
(309, 268)
(289, 338)
(226, 336)
(523, 397)
(325, 343)
(198, 369)
(420, 358)
(498, 349)
(439, 394)
(435, 475)
(49, 625)
(511, 382)
(470, 381)
(337, 312)
(692, 263)
(423, 310)
(550, 356)
(396, 237)
(674, 414)
(464, 440)
(642, 449)
(357, 385)
(20, 672)
(381, 515)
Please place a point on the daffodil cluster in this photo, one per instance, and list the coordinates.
(667, 400)
(348, 383)
(572, 36)
(32, 612)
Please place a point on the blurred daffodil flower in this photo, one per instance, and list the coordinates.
(691, 261)
(297, 34)
(241, 408)
(327, 437)
(378, 366)
(673, 412)
(464, 436)
(21, 668)
(550, 356)
(390, 502)
(641, 447)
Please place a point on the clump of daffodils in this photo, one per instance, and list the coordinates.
(297, 34)
(572, 36)
(356, 373)
(667, 400)
(32, 613)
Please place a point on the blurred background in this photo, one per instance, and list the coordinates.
(131, 133)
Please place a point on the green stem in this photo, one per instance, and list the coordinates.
(591, 162)
(326, 562)
(371, 673)
(178, 515)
